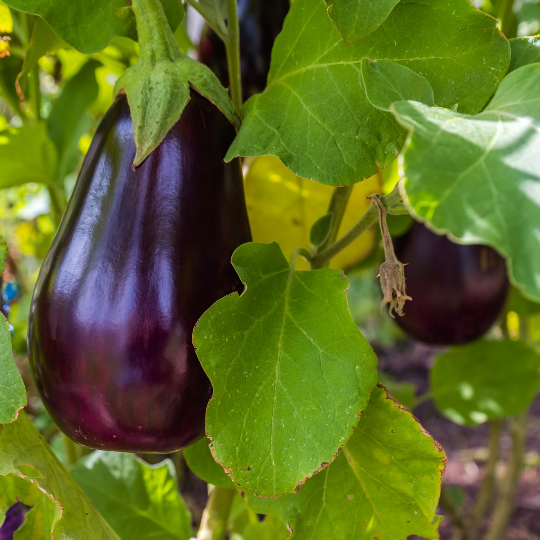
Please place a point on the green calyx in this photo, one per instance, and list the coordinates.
(158, 85)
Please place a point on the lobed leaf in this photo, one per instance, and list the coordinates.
(384, 484)
(478, 177)
(291, 372)
(485, 380)
(25, 454)
(90, 26)
(356, 19)
(139, 501)
(315, 115)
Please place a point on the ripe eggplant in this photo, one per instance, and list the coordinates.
(457, 291)
(14, 519)
(138, 258)
(260, 23)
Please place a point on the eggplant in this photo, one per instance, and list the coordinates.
(259, 22)
(138, 258)
(14, 519)
(457, 291)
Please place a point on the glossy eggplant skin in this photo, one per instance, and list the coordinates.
(260, 21)
(15, 516)
(457, 291)
(138, 258)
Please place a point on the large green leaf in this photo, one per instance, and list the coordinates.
(478, 177)
(90, 26)
(487, 379)
(524, 51)
(315, 116)
(199, 459)
(39, 521)
(140, 502)
(24, 453)
(291, 372)
(384, 484)
(27, 155)
(270, 529)
(12, 392)
(69, 119)
(356, 19)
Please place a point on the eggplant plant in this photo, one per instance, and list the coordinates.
(166, 342)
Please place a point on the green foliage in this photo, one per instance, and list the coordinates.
(24, 453)
(90, 26)
(27, 155)
(39, 520)
(334, 135)
(216, 13)
(270, 529)
(524, 51)
(69, 119)
(290, 371)
(320, 229)
(12, 392)
(485, 380)
(199, 459)
(477, 177)
(3, 253)
(356, 19)
(384, 484)
(140, 502)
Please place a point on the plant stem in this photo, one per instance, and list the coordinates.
(216, 514)
(485, 494)
(232, 46)
(366, 221)
(338, 205)
(510, 482)
(506, 18)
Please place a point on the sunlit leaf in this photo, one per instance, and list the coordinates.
(384, 484)
(290, 370)
(478, 177)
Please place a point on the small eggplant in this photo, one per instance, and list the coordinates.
(14, 519)
(260, 23)
(457, 291)
(138, 258)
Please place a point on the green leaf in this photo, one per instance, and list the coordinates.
(320, 229)
(141, 502)
(269, 529)
(3, 253)
(42, 41)
(291, 371)
(13, 489)
(387, 82)
(485, 380)
(24, 453)
(478, 177)
(524, 51)
(12, 392)
(521, 305)
(39, 521)
(199, 459)
(314, 114)
(356, 19)
(216, 13)
(27, 155)
(90, 26)
(384, 484)
(403, 392)
(69, 119)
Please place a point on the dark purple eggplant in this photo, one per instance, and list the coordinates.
(260, 22)
(14, 519)
(138, 258)
(457, 291)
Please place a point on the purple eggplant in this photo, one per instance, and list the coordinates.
(457, 291)
(138, 258)
(14, 519)
(260, 22)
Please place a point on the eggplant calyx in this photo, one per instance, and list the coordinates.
(392, 270)
(158, 85)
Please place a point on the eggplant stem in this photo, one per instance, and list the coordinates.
(216, 514)
(232, 46)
